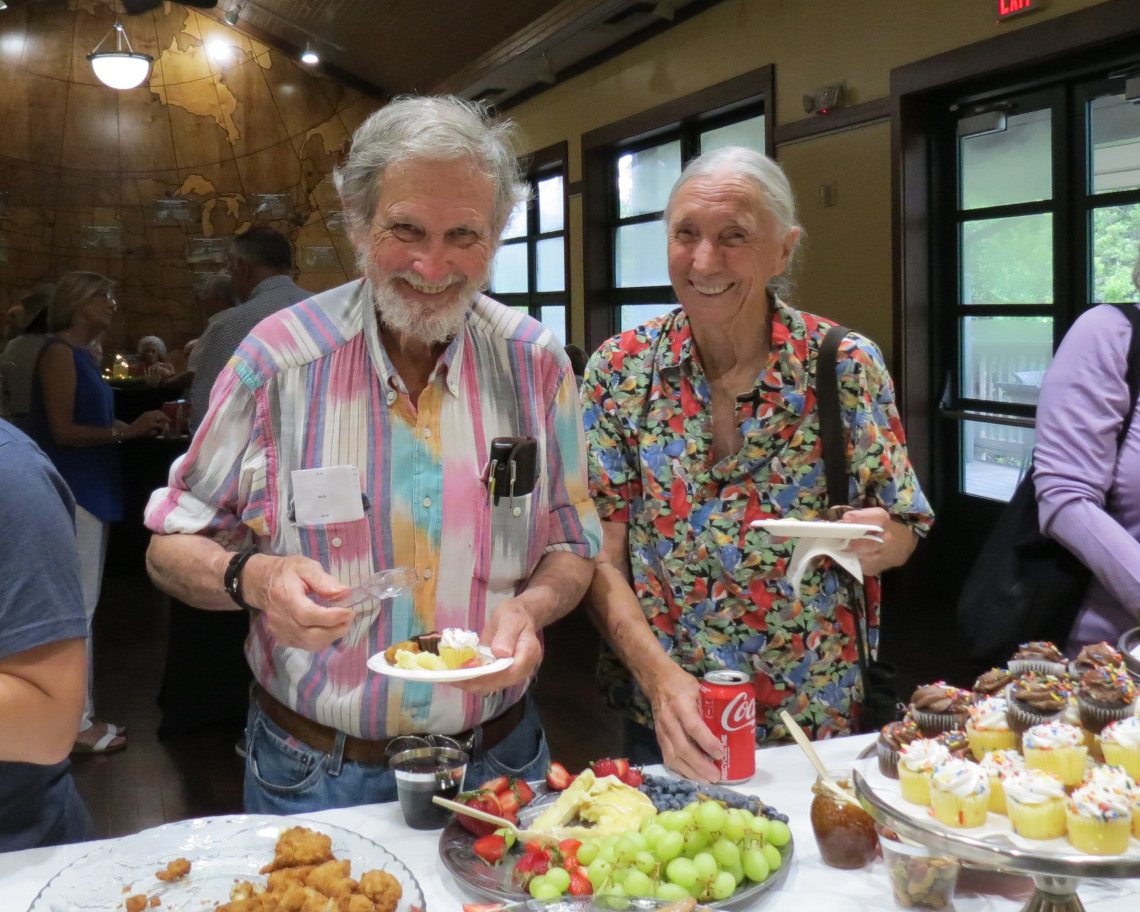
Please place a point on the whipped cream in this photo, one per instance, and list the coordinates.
(1052, 735)
(1113, 777)
(923, 755)
(458, 638)
(989, 715)
(961, 777)
(1002, 763)
(1100, 803)
(1125, 732)
(1032, 786)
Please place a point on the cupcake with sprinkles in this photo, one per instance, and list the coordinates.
(1095, 655)
(1035, 804)
(992, 683)
(891, 738)
(1099, 820)
(1040, 657)
(999, 764)
(917, 761)
(956, 742)
(1033, 699)
(988, 729)
(1120, 744)
(939, 707)
(1056, 748)
(960, 794)
(1104, 695)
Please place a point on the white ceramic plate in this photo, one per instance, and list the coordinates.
(804, 528)
(380, 665)
(221, 851)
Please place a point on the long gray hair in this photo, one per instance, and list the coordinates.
(769, 178)
(436, 128)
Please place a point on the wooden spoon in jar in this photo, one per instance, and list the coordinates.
(826, 778)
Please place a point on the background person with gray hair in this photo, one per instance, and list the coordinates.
(19, 356)
(354, 432)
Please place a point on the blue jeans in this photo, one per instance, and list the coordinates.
(284, 776)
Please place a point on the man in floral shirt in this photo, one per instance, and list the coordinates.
(700, 422)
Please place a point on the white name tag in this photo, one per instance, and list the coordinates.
(328, 495)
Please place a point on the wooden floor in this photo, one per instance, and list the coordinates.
(155, 781)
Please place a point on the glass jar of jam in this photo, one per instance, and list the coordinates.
(844, 832)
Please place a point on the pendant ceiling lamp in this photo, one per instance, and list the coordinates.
(119, 69)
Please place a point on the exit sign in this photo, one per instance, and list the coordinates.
(1007, 9)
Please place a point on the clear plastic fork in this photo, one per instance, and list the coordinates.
(385, 584)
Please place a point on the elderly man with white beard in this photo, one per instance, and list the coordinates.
(367, 428)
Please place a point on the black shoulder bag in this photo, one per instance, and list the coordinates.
(1025, 585)
(880, 699)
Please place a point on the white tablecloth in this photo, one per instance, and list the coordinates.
(783, 779)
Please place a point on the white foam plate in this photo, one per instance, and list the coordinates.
(491, 665)
(818, 528)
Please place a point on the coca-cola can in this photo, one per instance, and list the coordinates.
(728, 706)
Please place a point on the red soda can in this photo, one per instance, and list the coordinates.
(728, 706)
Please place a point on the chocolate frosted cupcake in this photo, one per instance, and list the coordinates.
(1104, 695)
(1034, 699)
(992, 683)
(1040, 657)
(939, 707)
(892, 737)
(956, 742)
(1095, 655)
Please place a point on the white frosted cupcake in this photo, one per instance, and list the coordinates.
(999, 764)
(1114, 777)
(457, 646)
(1035, 804)
(1120, 744)
(917, 762)
(1056, 748)
(1100, 820)
(960, 793)
(988, 727)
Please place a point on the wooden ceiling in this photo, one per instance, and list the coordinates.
(498, 50)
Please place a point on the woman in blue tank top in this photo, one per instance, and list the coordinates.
(72, 418)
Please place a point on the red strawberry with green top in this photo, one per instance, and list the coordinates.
(490, 848)
(496, 785)
(481, 800)
(580, 884)
(522, 788)
(508, 801)
(528, 867)
(604, 767)
(557, 777)
(633, 777)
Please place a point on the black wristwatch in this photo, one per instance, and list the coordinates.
(232, 579)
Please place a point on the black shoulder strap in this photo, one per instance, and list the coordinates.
(830, 424)
(1132, 374)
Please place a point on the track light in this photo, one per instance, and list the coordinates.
(309, 57)
(233, 14)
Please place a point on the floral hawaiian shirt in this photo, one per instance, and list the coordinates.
(714, 589)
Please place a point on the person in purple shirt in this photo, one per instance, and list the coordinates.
(1089, 494)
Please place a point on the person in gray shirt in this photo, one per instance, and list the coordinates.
(260, 265)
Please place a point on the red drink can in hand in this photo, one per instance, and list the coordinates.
(728, 706)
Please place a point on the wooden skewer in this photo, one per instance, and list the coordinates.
(500, 822)
(801, 739)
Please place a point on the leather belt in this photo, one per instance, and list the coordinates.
(363, 750)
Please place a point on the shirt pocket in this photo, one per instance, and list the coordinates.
(518, 536)
(344, 549)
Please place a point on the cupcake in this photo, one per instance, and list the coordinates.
(956, 742)
(1120, 743)
(1099, 820)
(1033, 699)
(988, 729)
(1104, 695)
(999, 764)
(1056, 748)
(1095, 655)
(457, 646)
(1035, 803)
(893, 736)
(1114, 777)
(939, 707)
(960, 794)
(1041, 657)
(992, 683)
(917, 761)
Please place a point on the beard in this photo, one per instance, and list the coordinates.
(429, 325)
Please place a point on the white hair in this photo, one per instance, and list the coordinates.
(439, 128)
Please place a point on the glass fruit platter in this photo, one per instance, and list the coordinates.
(1056, 868)
(495, 882)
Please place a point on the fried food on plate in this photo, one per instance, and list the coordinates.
(178, 868)
(300, 846)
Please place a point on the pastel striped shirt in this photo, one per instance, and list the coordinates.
(312, 387)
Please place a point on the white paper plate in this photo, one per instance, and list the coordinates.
(805, 528)
(380, 665)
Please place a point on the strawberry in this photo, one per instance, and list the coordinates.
(557, 777)
(483, 907)
(496, 785)
(579, 885)
(633, 777)
(473, 662)
(490, 848)
(508, 801)
(604, 767)
(525, 793)
(481, 800)
(528, 867)
(569, 846)
(622, 767)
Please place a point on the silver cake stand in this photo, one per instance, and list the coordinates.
(1056, 876)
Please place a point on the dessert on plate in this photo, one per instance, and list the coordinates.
(446, 650)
